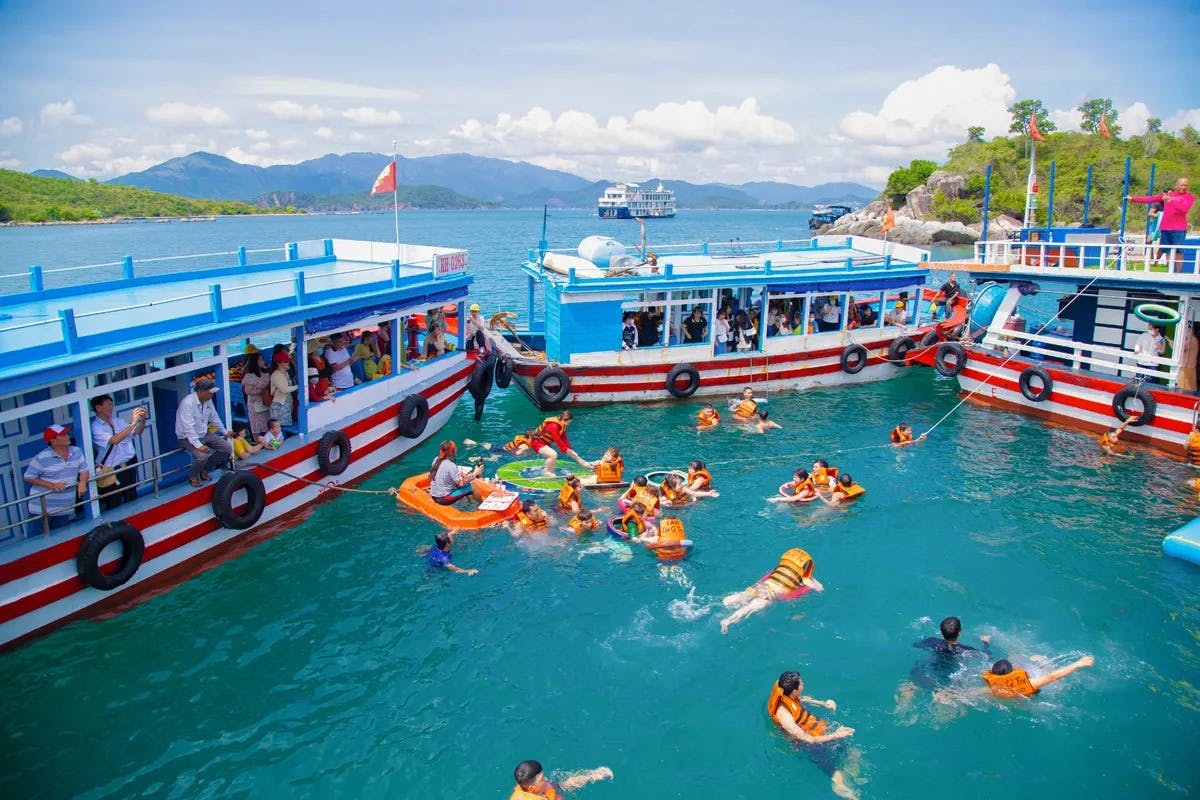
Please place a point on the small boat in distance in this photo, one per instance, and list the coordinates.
(617, 325)
(629, 201)
(823, 215)
(145, 336)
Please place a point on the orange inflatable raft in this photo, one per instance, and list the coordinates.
(498, 505)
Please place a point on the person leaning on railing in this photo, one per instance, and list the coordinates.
(1172, 229)
(62, 471)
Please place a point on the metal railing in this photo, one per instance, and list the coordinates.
(1107, 256)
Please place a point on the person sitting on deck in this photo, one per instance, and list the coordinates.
(435, 343)
(274, 436)
(897, 316)
(319, 389)
(243, 448)
(201, 433)
(629, 332)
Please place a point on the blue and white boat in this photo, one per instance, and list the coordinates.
(143, 333)
(630, 201)
(854, 308)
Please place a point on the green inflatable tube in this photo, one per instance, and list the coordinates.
(528, 474)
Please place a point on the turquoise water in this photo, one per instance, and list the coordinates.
(327, 661)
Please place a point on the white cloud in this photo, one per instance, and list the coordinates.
(183, 114)
(257, 159)
(355, 136)
(84, 153)
(316, 87)
(1181, 118)
(1066, 119)
(63, 113)
(11, 126)
(372, 117)
(7, 161)
(291, 111)
(936, 109)
(323, 133)
(256, 135)
(1133, 119)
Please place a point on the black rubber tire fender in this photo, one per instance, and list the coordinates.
(854, 358)
(1025, 381)
(414, 416)
(330, 441)
(929, 339)
(549, 397)
(680, 371)
(222, 500)
(900, 348)
(87, 561)
(1129, 392)
(943, 365)
(504, 372)
(480, 384)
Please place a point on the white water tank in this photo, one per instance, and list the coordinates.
(601, 250)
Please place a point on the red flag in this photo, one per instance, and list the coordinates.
(1104, 127)
(889, 221)
(386, 182)
(1033, 129)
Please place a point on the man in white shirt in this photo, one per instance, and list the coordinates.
(201, 432)
(113, 438)
(340, 361)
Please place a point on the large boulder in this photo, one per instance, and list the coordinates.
(918, 202)
(947, 183)
(953, 233)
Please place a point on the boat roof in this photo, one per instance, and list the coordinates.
(822, 261)
(73, 330)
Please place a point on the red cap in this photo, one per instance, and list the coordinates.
(282, 357)
(55, 430)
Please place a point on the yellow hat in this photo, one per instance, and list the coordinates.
(474, 307)
(250, 348)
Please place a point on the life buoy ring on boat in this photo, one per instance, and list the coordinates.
(854, 358)
(1156, 314)
(1129, 392)
(551, 386)
(87, 561)
(414, 416)
(899, 349)
(480, 385)
(942, 359)
(1025, 381)
(504, 372)
(683, 371)
(222, 500)
(330, 441)
(929, 339)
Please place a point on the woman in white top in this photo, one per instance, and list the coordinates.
(339, 361)
(721, 326)
(281, 390)
(830, 314)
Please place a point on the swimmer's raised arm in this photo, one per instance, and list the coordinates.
(1062, 672)
(584, 778)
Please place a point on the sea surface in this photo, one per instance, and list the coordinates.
(328, 662)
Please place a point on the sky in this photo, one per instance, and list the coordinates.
(775, 90)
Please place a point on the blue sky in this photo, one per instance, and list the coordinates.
(797, 91)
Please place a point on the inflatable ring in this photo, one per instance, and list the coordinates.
(655, 476)
(1156, 314)
(504, 372)
(480, 384)
(414, 416)
(854, 358)
(87, 561)
(1142, 394)
(945, 367)
(548, 395)
(222, 499)
(784, 490)
(1025, 381)
(900, 348)
(614, 530)
(683, 371)
(516, 473)
(330, 441)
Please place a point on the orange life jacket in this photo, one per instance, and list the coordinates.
(802, 486)
(699, 473)
(636, 518)
(674, 495)
(650, 501)
(745, 409)
(529, 523)
(670, 529)
(518, 441)
(849, 492)
(567, 494)
(807, 722)
(1193, 447)
(794, 566)
(708, 417)
(579, 526)
(610, 471)
(1108, 443)
(539, 433)
(900, 436)
(549, 793)
(1013, 684)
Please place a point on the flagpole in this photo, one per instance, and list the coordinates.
(396, 199)
(1030, 181)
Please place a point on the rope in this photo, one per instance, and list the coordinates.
(330, 485)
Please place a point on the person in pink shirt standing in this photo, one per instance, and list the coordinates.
(1173, 227)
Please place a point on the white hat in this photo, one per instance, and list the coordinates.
(313, 372)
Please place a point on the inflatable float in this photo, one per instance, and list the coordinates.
(498, 505)
(614, 527)
(528, 474)
(656, 476)
(1184, 542)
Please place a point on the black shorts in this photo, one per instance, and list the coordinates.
(826, 755)
(1168, 238)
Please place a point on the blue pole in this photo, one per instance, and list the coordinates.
(1150, 190)
(987, 201)
(1087, 197)
(1050, 200)
(1125, 200)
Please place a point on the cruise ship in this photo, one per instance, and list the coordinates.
(628, 200)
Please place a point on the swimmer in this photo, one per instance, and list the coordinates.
(792, 574)
(633, 523)
(821, 478)
(745, 408)
(610, 466)
(530, 519)
(844, 490)
(533, 785)
(707, 418)
(1005, 680)
(636, 489)
(1191, 450)
(583, 522)
(763, 424)
(786, 707)
(902, 435)
(699, 481)
(439, 556)
(570, 495)
(1110, 441)
(673, 491)
(802, 489)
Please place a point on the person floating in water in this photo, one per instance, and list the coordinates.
(610, 466)
(439, 555)
(764, 424)
(844, 490)
(699, 481)
(583, 522)
(902, 435)
(530, 519)
(570, 496)
(948, 651)
(707, 418)
(792, 577)
(744, 409)
(1005, 680)
(533, 785)
(1110, 441)
(799, 489)
(786, 707)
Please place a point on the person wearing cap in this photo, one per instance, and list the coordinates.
(59, 477)
(474, 329)
(282, 389)
(897, 316)
(112, 438)
(201, 432)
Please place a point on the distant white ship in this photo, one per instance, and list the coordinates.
(627, 200)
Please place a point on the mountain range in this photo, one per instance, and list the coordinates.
(480, 181)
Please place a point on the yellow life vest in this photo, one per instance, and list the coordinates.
(549, 793)
(789, 573)
(567, 494)
(1193, 447)
(745, 409)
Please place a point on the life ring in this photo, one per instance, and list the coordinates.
(528, 474)
(330, 441)
(614, 527)
(414, 416)
(941, 363)
(683, 371)
(550, 396)
(87, 561)
(1129, 392)
(899, 349)
(222, 499)
(929, 339)
(480, 384)
(788, 490)
(1156, 314)
(504, 372)
(655, 477)
(854, 358)
(1025, 381)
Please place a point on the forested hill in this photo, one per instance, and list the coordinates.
(28, 198)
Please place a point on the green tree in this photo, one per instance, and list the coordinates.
(905, 179)
(1190, 134)
(975, 133)
(1022, 110)
(1154, 125)
(1093, 110)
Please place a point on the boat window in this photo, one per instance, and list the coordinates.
(743, 307)
(829, 314)
(793, 310)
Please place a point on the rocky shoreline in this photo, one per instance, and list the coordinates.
(912, 223)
